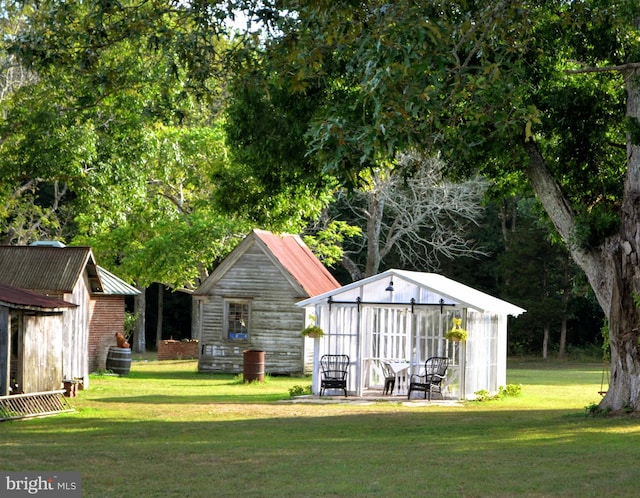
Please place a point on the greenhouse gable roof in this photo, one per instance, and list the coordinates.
(410, 287)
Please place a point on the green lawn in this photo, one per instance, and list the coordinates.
(168, 431)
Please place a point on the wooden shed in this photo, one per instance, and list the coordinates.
(400, 318)
(31, 335)
(249, 302)
(71, 274)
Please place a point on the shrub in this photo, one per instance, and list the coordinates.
(299, 390)
(594, 410)
(503, 392)
(510, 390)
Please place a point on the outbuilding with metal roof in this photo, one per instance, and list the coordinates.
(72, 275)
(249, 303)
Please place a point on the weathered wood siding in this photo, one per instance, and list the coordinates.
(41, 353)
(275, 321)
(5, 350)
(75, 337)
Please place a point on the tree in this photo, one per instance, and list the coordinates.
(273, 181)
(30, 208)
(98, 133)
(547, 88)
(126, 122)
(413, 213)
(174, 232)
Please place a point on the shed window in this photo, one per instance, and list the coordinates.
(237, 320)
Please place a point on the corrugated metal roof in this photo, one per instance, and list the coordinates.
(113, 285)
(42, 268)
(23, 298)
(56, 269)
(294, 255)
(425, 288)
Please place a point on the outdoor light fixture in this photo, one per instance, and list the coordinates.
(390, 286)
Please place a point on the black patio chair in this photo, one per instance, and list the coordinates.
(333, 369)
(435, 369)
(389, 377)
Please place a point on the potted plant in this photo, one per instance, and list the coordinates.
(456, 334)
(313, 331)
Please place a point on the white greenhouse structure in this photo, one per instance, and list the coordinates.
(398, 319)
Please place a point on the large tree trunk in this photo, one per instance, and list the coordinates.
(613, 269)
(624, 387)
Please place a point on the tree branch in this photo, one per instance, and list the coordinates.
(562, 216)
(630, 66)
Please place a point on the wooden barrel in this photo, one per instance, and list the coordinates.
(119, 360)
(253, 365)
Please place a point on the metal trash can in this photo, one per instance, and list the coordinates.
(253, 365)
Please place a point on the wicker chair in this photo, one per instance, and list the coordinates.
(429, 381)
(333, 369)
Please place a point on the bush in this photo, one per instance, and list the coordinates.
(299, 391)
(510, 390)
(594, 410)
(503, 392)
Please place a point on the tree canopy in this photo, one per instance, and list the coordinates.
(545, 90)
(117, 140)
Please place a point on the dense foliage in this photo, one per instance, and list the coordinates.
(118, 141)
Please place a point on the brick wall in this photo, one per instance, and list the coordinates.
(178, 350)
(106, 318)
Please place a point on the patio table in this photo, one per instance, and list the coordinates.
(401, 370)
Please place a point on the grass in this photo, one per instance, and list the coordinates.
(168, 431)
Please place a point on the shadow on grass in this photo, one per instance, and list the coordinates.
(195, 376)
(472, 453)
(176, 374)
(177, 399)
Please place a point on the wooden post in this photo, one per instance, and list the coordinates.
(5, 351)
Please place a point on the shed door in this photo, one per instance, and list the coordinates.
(42, 353)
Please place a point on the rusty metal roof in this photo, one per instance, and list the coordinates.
(15, 297)
(290, 253)
(295, 257)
